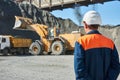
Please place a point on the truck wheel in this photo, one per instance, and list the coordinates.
(20, 51)
(26, 51)
(35, 48)
(5, 52)
(58, 48)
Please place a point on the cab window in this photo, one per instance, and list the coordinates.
(3, 40)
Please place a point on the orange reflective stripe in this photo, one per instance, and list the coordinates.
(95, 41)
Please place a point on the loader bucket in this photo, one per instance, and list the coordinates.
(22, 23)
(17, 24)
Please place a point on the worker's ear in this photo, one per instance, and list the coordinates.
(85, 25)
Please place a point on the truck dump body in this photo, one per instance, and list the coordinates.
(20, 42)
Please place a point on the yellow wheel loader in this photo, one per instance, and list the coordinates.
(57, 45)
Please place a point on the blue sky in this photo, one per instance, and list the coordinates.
(109, 11)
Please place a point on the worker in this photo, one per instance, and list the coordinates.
(57, 31)
(52, 33)
(95, 56)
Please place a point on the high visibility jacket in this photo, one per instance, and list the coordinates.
(96, 58)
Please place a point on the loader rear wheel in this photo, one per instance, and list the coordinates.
(35, 48)
(58, 48)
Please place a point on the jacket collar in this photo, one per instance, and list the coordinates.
(93, 32)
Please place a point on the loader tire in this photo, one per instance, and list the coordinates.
(58, 48)
(35, 48)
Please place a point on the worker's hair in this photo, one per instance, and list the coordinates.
(94, 26)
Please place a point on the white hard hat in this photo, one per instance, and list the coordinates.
(92, 17)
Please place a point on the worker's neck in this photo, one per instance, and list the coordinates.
(88, 30)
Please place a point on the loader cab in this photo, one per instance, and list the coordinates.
(54, 32)
(4, 42)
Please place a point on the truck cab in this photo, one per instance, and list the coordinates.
(14, 45)
(4, 42)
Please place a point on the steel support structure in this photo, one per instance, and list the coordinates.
(61, 4)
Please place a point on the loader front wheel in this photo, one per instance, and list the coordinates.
(58, 48)
(35, 48)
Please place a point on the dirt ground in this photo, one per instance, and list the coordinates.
(37, 67)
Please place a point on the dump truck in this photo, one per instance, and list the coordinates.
(57, 45)
(14, 45)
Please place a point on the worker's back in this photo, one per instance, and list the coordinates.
(98, 51)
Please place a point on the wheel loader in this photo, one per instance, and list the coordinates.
(57, 45)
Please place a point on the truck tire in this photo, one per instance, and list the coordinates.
(26, 51)
(35, 48)
(5, 51)
(20, 51)
(58, 48)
